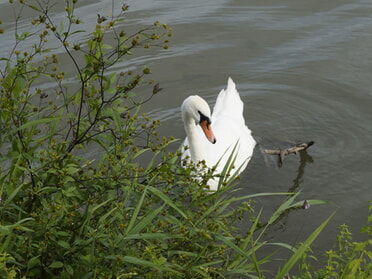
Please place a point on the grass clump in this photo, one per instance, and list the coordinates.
(349, 259)
(131, 211)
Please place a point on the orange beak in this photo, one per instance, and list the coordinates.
(207, 129)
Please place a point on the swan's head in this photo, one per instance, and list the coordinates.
(195, 108)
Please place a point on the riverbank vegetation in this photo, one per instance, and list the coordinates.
(128, 209)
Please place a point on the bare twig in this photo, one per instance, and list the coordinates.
(292, 150)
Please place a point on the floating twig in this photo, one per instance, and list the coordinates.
(292, 150)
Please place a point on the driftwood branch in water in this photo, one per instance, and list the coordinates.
(283, 152)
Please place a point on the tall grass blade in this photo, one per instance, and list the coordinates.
(301, 250)
(247, 240)
(167, 200)
(136, 211)
(146, 220)
(283, 207)
(246, 197)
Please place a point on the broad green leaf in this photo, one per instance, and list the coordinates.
(38, 122)
(35, 261)
(141, 262)
(64, 244)
(106, 46)
(56, 264)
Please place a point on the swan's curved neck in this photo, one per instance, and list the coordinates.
(195, 145)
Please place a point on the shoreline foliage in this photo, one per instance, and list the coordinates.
(65, 214)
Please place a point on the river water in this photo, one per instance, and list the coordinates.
(304, 72)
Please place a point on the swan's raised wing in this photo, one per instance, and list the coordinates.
(228, 103)
(229, 127)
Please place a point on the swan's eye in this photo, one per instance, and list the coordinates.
(204, 118)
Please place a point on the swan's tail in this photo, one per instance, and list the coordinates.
(229, 102)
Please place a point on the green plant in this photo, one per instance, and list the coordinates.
(129, 210)
(351, 259)
(5, 271)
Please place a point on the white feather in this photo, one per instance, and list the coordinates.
(229, 128)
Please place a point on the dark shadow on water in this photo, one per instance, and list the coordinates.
(276, 232)
(304, 159)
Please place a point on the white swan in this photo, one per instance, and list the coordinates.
(212, 137)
